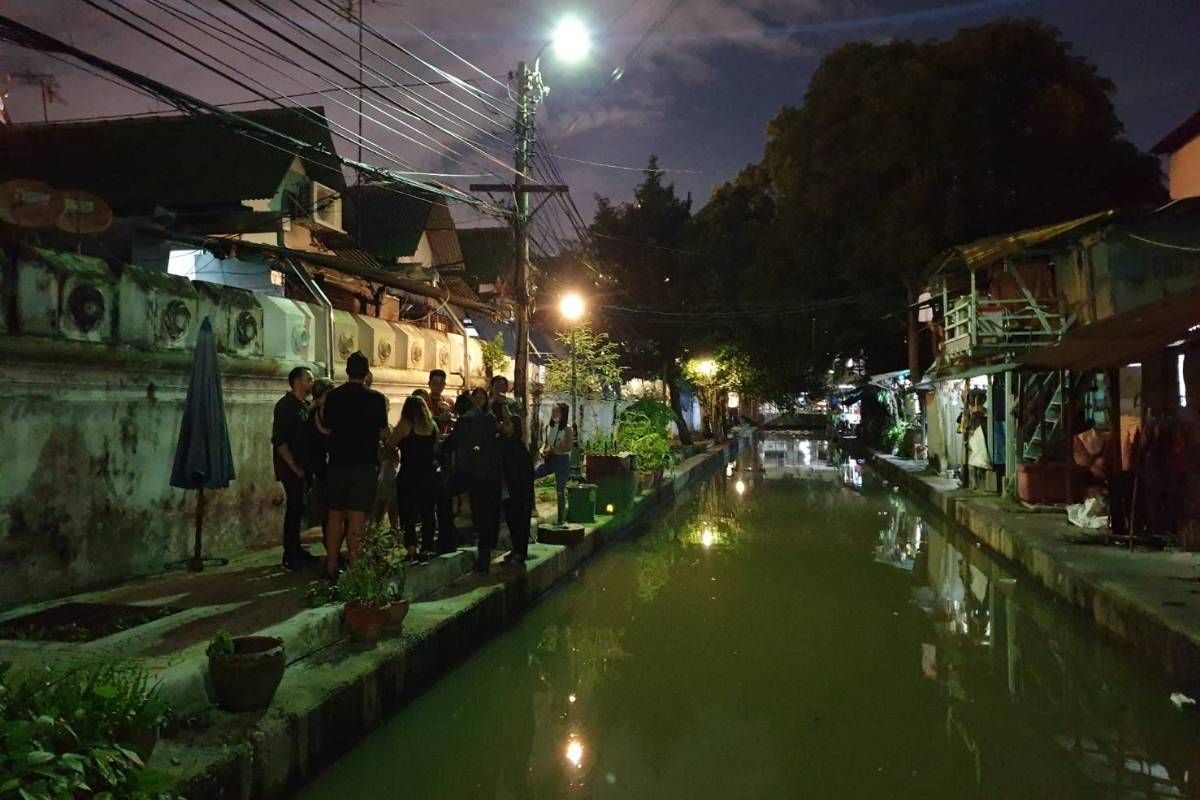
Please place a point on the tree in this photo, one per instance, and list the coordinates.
(902, 150)
(591, 357)
(640, 244)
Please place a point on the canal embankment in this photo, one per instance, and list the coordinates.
(1148, 601)
(338, 693)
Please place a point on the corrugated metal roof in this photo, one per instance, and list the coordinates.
(982, 252)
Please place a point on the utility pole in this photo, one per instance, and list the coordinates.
(530, 90)
(525, 112)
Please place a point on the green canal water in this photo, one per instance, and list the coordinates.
(794, 630)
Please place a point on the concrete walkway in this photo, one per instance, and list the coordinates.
(1148, 600)
(334, 691)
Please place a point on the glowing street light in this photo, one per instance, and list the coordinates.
(571, 40)
(571, 306)
(707, 368)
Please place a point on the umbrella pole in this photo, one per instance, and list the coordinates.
(197, 563)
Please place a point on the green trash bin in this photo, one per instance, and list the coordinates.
(581, 503)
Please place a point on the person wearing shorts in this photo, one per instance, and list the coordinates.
(356, 418)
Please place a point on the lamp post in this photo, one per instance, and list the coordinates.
(571, 43)
(707, 368)
(571, 308)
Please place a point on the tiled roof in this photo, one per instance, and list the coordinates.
(174, 161)
(388, 221)
(488, 253)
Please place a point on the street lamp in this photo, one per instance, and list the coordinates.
(571, 40)
(571, 308)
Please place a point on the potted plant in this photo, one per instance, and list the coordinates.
(245, 670)
(365, 592)
(383, 550)
(642, 430)
(612, 470)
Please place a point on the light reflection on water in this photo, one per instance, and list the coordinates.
(813, 635)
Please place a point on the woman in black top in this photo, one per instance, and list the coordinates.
(416, 484)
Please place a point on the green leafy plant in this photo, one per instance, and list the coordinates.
(595, 363)
(645, 436)
(221, 646)
(66, 735)
(600, 444)
(494, 355)
(363, 584)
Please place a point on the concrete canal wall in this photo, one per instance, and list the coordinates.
(333, 697)
(1147, 601)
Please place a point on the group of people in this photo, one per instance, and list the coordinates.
(341, 462)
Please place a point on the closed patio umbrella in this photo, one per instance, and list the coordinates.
(203, 459)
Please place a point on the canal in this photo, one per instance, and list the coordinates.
(796, 629)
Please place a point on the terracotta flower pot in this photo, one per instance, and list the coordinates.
(365, 623)
(247, 680)
(396, 613)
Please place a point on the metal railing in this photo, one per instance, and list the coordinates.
(976, 325)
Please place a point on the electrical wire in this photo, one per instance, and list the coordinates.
(23, 36)
(343, 131)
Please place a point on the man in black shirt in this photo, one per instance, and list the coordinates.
(289, 444)
(356, 418)
(477, 459)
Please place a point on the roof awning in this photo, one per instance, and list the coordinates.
(982, 252)
(954, 372)
(1122, 338)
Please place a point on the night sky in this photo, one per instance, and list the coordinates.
(698, 91)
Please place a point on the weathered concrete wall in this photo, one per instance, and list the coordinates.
(94, 365)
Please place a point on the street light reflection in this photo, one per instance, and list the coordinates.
(575, 751)
(740, 486)
(707, 537)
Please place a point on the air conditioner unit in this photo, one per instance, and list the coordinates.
(326, 206)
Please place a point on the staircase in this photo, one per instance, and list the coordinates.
(1049, 429)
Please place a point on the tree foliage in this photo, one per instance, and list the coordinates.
(640, 243)
(595, 364)
(900, 151)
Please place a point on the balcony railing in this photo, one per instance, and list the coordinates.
(983, 326)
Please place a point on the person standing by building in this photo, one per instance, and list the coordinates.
(443, 415)
(356, 418)
(416, 484)
(289, 443)
(317, 503)
(556, 454)
(477, 461)
(517, 467)
(499, 389)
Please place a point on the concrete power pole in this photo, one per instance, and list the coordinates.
(529, 93)
(525, 113)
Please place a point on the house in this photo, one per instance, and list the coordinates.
(193, 175)
(1181, 148)
(1063, 360)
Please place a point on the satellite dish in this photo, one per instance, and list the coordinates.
(83, 212)
(30, 204)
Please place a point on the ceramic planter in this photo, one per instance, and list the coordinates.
(365, 623)
(396, 613)
(247, 680)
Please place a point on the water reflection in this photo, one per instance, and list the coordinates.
(816, 636)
